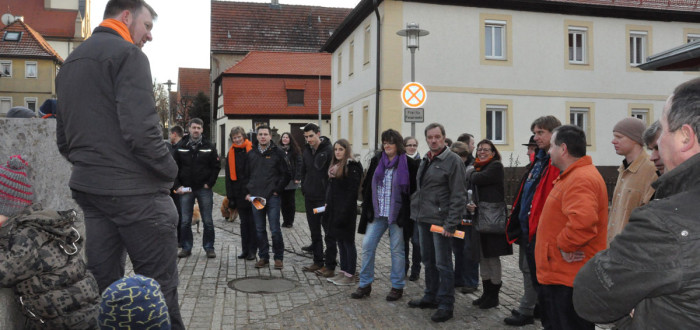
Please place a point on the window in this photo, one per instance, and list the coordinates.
(30, 69)
(577, 45)
(12, 36)
(692, 37)
(340, 67)
(638, 45)
(365, 125)
(494, 37)
(496, 123)
(5, 104)
(367, 45)
(295, 97)
(338, 127)
(581, 115)
(6, 68)
(30, 103)
(642, 114)
(351, 131)
(351, 58)
(643, 111)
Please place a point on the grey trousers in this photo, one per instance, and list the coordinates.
(491, 269)
(529, 298)
(145, 227)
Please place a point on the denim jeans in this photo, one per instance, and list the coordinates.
(437, 260)
(529, 298)
(375, 231)
(204, 197)
(249, 235)
(272, 211)
(348, 256)
(466, 269)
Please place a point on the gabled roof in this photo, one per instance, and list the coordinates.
(50, 23)
(191, 81)
(31, 44)
(240, 27)
(651, 10)
(283, 63)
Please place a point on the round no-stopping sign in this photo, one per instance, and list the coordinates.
(413, 95)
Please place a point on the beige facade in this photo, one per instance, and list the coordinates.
(26, 87)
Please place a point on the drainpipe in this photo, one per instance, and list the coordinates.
(376, 110)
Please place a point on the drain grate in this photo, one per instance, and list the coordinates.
(262, 284)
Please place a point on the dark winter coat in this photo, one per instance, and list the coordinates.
(198, 164)
(404, 217)
(237, 190)
(268, 172)
(489, 186)
(295, 164)
(107, 125)
(341, 202)
(40, 257)
(314, 172)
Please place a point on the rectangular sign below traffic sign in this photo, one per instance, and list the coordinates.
(413, 115)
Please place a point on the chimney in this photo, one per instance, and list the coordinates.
(275, 4)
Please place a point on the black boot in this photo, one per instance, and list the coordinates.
(485, 284)
(491, 298)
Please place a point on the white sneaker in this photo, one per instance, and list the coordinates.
(346, 280)
(338, 276)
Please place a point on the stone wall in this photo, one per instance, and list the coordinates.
(35, 140)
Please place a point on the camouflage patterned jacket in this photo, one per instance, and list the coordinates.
(39, 257)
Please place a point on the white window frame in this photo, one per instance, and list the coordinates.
(491, 111)
(3, 63)
(492, 26)
(585, 112)
(691, 37)
(638, 47)
(583, 33)
(5, 99)
(640, 113)
(31, 99)
(26, 69)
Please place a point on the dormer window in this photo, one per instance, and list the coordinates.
(12, 36)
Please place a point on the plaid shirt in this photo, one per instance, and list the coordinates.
(384, 193)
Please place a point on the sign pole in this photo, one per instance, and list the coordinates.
(413, 79)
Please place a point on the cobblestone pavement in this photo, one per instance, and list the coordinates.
(207, 301)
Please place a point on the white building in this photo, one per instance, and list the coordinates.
(491, 70)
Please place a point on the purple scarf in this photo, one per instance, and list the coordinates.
(399, 184)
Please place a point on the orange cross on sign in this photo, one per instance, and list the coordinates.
(413, 95)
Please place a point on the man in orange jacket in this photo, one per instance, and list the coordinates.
(572, 229)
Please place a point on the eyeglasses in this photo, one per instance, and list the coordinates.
(411, 145)
(483, 149)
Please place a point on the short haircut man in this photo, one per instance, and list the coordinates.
(469, 140)
(573, 227)
(441, 177)
(652, 267)
(122, 170)
(651, 135)
(637, 172)
(177, 130)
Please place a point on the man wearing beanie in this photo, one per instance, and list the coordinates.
(637, 172)
(40, 259)
(122, 172)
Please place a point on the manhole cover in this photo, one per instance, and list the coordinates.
(262, 284)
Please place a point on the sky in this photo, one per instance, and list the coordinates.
(181, 32)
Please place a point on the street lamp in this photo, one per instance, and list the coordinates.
(170, 106)
(413, 33)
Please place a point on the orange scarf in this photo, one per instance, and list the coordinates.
(479, 164)
(232, 157)
(119, 27)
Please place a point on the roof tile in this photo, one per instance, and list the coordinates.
(31, 44)
(283, 63)
(50, 23)
(192, 81)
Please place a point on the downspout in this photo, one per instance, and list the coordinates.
(376, 110)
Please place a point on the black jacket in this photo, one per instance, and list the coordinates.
(367, 214)
(314, 172)
(341, 202)
(268, 172)
(295, 165)
(237, 190)
(198, 164)
(107, 126)
(488, 185)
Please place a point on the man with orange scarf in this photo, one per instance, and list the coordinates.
(122, 171)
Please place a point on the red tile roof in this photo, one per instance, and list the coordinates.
(191, 81)
(268, 96)
(240, 27)
(680, 5)
(283, 63)
(50, 23)
(31, 44)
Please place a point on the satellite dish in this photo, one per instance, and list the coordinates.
(8, 19)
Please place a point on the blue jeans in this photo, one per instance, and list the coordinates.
(375, 230)
(205, 199)
(466, 269)
(272, 211)
(436, 251)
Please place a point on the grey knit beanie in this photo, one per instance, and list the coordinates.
(632, 128)
(15, 188)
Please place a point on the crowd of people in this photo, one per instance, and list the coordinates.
(584, 260)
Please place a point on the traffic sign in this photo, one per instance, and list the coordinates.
(413, 115)
(413, 95)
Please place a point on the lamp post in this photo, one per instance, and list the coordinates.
(170, 106)
(413, 32)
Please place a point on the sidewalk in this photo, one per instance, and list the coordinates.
(207, 302)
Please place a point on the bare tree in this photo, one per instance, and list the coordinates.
(160, 94)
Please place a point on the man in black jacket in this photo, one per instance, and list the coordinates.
(317, 156)
(198, 165)
(122, 170)
(268, 175)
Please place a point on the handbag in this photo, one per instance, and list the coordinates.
(491, 217)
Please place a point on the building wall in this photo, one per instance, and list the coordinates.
(64, 48)
(534, 78)
(19, 88)
(61, 4)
